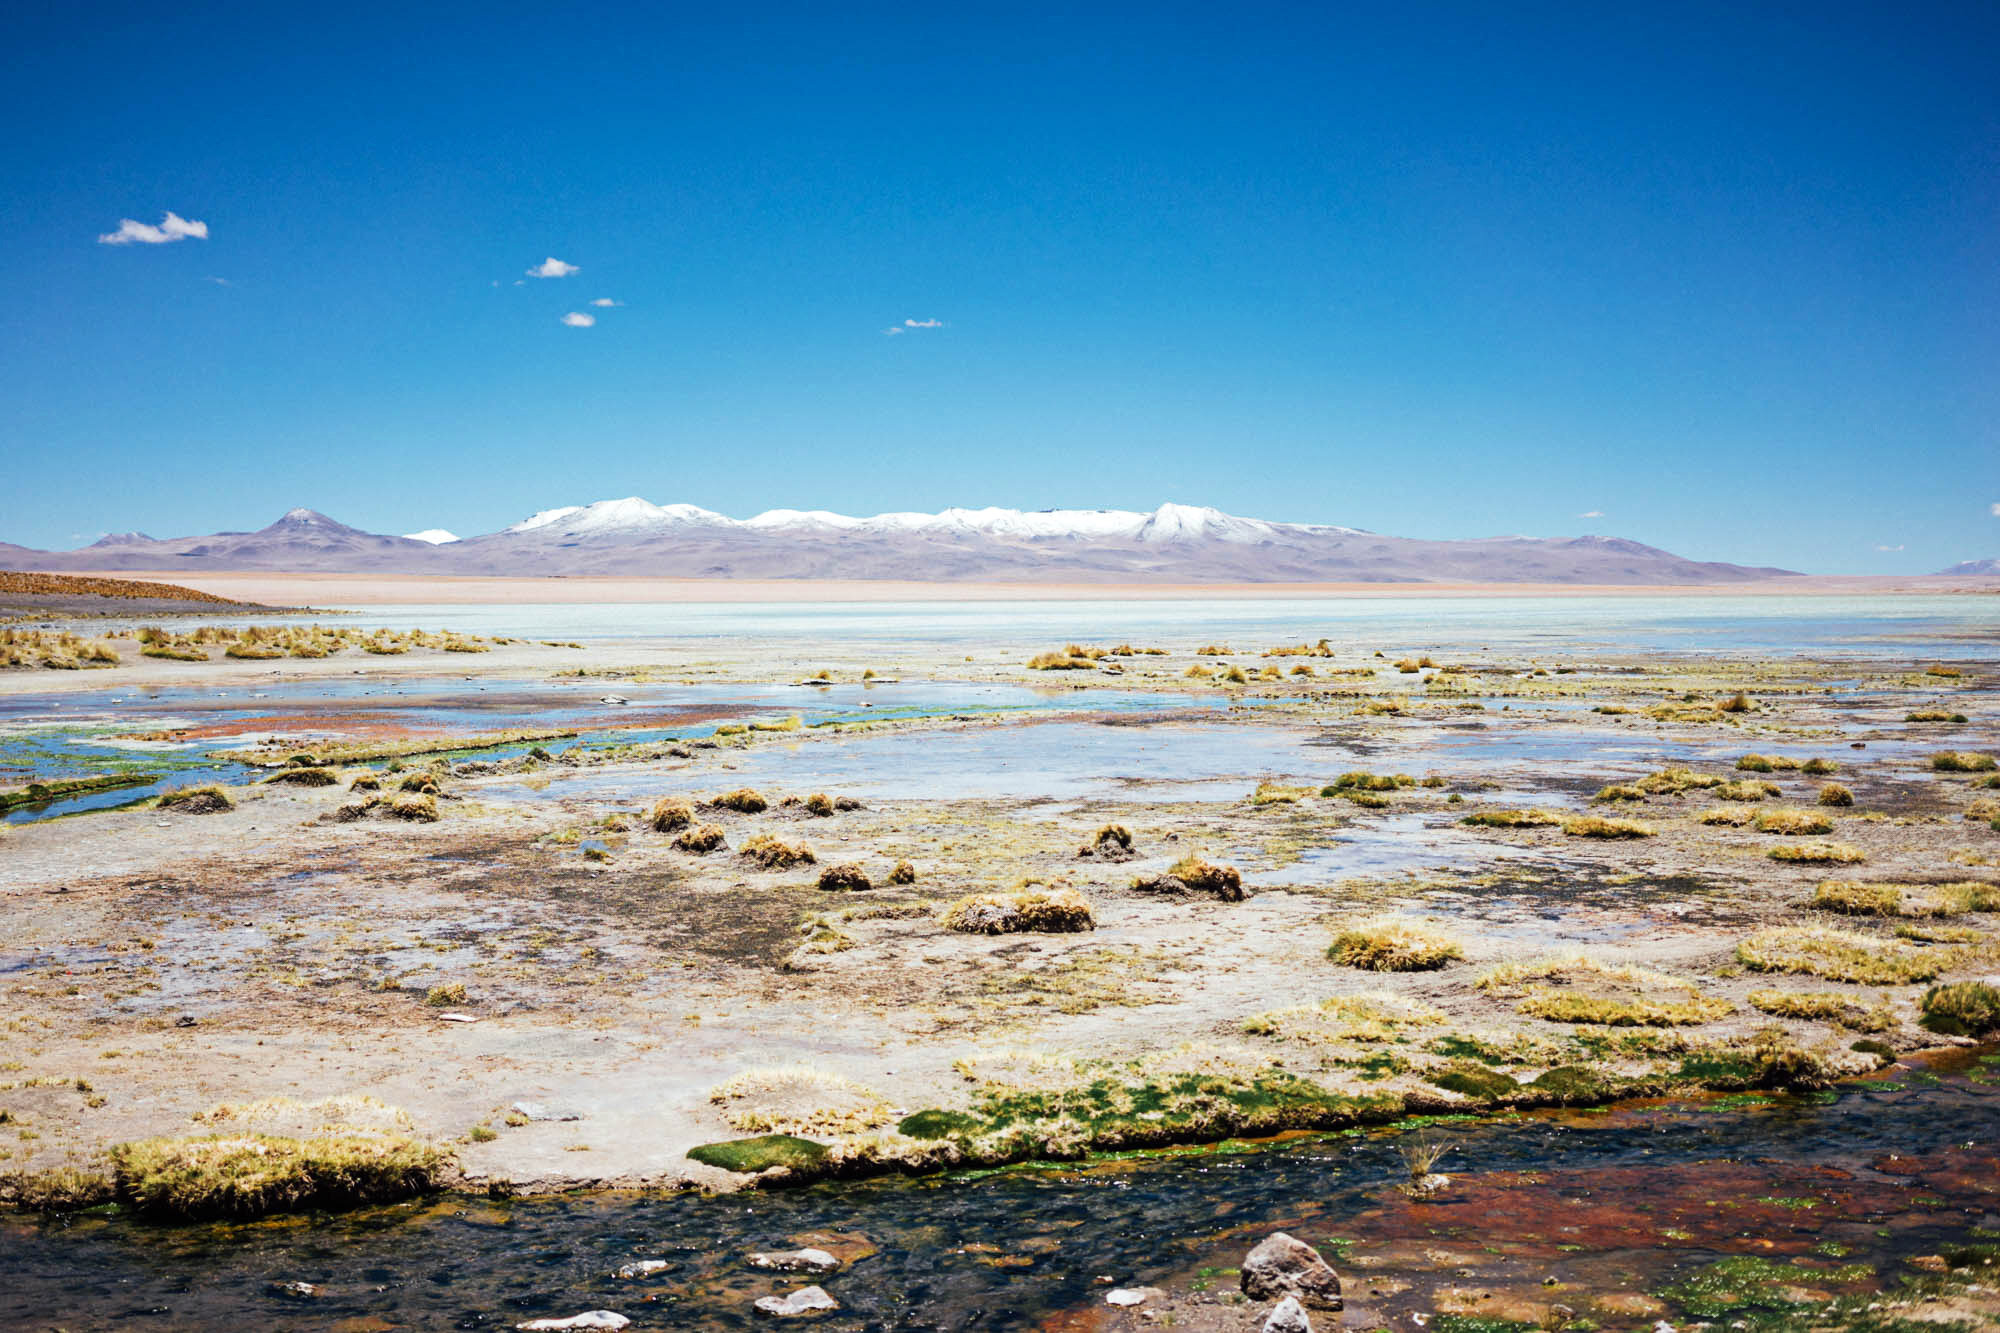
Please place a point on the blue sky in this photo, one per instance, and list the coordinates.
(1721, 278)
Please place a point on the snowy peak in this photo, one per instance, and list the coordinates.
(432, 536)
(304, 522)
(612, 517)
(1974, 567)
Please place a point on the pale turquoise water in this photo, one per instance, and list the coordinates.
(1865, 626)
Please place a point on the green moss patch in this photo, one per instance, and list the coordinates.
(760, 1153)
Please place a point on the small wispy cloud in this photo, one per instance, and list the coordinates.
(576, 319)
(173, 227)
(220, 282)
(1996, 508)
(1897, 547)
(606, 302)
(909, 324)
(1591, 513)
(553, 268)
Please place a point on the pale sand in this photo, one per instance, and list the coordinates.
(429, 590)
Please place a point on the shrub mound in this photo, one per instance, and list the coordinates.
(1394, 944)
(770, 853)
(207, 800)
(669, 815)
(1042, 911)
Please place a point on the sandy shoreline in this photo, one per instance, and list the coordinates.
(302, 589)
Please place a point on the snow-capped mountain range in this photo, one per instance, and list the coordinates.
(633, 537)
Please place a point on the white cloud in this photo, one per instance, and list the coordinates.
(892, 330)
(220, 282)
(606, 301)
(578, 320)
(552, 268)
(1996, 509)
(173, 227)
(923, 323)
(1591, 513)
(1896, 547)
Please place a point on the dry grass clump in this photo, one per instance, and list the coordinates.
(1738, 702)
(846, 877)
(1857, 898)
(445, 994)
(1112, 842)
(1054, 910)
(1724, 815)
(669, 815)
(903, 873)
(423, 782)
(1071, 658)
(1513, 818)
(416, 807)
(1834, 794)
(247, 1175)
(1767, 763)
(1792, 823)
(798, 1099)
(1619, 792)
(1344, 1018)
(1204, 876)
(773, 854)
(699, 840)
(1837, 955)
(1817, 853)
(206, 800)
(305, 777)
(1962, 761)
(1935, 715)
(1581, 989)
(1674, 780)
(1277, 793)
(1939, 669)
(1962, 1009)
(744, 800)
(1825, 1007)
(819, 805)
(1359, 781)
(365, 780)
(1592, 826)
(1746, 789)
(1394, 944)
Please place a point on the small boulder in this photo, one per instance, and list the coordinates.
(804, 1301)
(1288, 1316)
(790, 1261)
(1130, 1296)
(588, 1319)
(1283, 1265)
(640, 1268)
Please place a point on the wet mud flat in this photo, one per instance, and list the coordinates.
(540, 944)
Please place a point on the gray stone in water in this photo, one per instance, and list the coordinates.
(1282, 1265)
(804, 1301)
(537, 1111)
(1288, 1316)
(640, 1268)
(817, 1261)
(1130, 1295)
(588, 1319)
